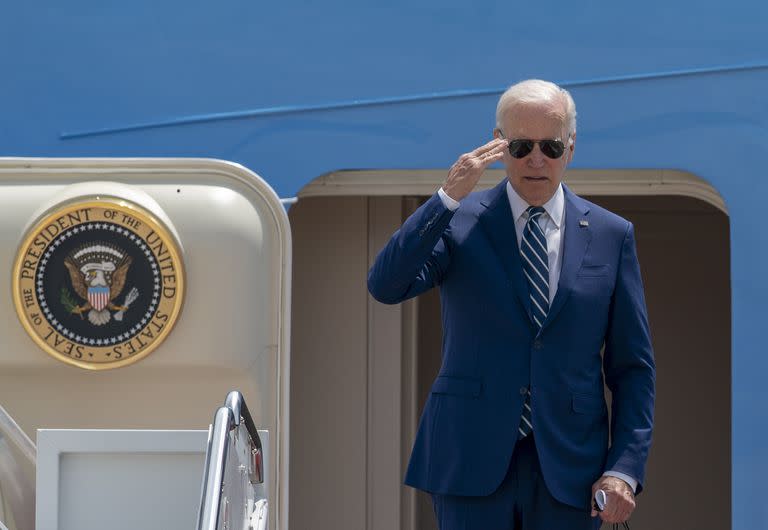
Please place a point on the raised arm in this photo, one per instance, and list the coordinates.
(417, 256)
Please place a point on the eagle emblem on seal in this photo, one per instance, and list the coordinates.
(98, 272)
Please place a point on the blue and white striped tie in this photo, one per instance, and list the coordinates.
(533, 251)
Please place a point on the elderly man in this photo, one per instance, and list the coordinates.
(535, 282)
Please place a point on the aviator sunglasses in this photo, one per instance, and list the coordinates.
(521, 147)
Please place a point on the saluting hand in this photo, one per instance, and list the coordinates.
(464, 174)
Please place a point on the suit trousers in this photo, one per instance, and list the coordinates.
(521, 502)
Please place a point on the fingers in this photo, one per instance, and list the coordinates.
(488, 153)
(492, 156)
(464, 174)
(619, 507)
(619, 501)
(626, 507)
(496, 142)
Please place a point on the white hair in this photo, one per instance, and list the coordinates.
(537, 91)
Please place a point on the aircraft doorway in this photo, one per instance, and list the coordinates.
(360, 370)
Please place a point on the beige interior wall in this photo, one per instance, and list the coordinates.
(328, 364)
(346, 370)
(342, 342)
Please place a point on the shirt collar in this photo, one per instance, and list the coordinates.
(554, 206)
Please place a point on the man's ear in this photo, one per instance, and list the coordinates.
(571, 147)
(496, 132)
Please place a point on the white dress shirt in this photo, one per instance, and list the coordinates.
(553, 226)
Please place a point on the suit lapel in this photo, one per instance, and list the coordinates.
(577, 237)
(499, 226)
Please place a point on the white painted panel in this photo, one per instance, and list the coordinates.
(125, 491)
(92, 479)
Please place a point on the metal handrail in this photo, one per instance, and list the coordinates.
(11, 430)
(18, 488)
(213, 480)
(236, 403)
(225, 420)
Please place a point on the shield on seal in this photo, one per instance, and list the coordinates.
(98, 297)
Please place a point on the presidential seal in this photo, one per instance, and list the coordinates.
(98, 283)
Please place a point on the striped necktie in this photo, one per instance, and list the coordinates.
(533, 251)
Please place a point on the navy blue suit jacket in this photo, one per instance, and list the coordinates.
(492, 351)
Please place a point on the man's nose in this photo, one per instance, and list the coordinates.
(536, 158)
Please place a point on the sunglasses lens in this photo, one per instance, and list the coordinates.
(520, 148)
(552, 148)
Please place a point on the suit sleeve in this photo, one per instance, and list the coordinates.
(416, 257)
(630, 370)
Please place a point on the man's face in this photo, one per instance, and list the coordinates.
(535, 177)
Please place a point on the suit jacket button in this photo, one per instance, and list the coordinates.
(523, 390)
(537, 345)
